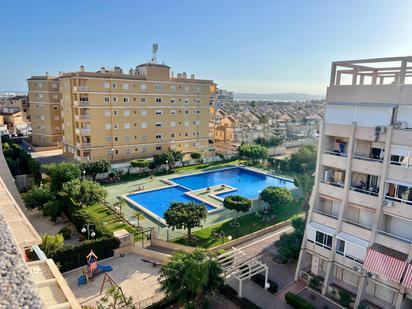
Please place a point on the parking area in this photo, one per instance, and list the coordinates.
(137, 279)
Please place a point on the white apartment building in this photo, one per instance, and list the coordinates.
(358, 234)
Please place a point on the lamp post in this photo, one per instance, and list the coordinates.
(167, 162)
(88, 230)
(259, 198)
(84, 174)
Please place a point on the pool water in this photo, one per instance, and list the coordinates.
(248, 183)
(158, 201)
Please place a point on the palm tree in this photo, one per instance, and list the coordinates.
(305, 183)
(121, 203)
(190, 277)
(139, 217)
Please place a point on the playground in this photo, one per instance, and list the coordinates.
(137, 278)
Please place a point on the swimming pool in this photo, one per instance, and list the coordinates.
(248, 183)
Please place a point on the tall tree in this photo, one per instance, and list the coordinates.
(185, 216)
(36, 197)
(85, 192)
(276, 197)
(253, 152)
(97, 167)
(237, 203)
(196, 156)
(305, 183)
(191, 277)
(61, 173)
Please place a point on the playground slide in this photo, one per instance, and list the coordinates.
(101, 267)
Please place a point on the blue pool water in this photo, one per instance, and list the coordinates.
(158, 201)
(247, 183)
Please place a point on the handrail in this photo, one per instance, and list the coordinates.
(333, 183)
(395, 236)
(336, 153)
(369, 192)
(367, 158)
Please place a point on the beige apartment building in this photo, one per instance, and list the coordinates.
(358, 235)
(44, 97)
(117, 116)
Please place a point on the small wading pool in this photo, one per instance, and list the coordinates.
(248, 183)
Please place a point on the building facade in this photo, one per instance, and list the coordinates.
(116, 116)
(358, 233)
(45, 117)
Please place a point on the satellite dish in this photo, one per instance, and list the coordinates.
(369, 274)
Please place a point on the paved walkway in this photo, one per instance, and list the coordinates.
(294, 287)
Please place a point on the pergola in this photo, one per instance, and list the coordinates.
(237, 264)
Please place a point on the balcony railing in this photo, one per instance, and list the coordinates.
(338, 183)
(395, 236)
(80, 88)
(401, 164)
(81, 103)
(372, 191)
(81, 117)
(397, 199)
(84, 131)
(83, 145)
(367, 158)
(329, 214)
(336, 153)
(357, 224)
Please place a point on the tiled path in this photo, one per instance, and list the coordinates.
(295, 287)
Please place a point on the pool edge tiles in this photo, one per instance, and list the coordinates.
(211, 208)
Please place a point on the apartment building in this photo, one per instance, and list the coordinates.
(44, 97)
(358, 235)
(117, 116)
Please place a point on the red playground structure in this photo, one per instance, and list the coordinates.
(92, 269)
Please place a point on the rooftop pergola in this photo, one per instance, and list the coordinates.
(395, 70)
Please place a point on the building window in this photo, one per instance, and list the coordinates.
(172, 100)
(340, 246)
(127, 125)
(114, 85)
(127, 151)
(55, 107)
(186, 134)
(106, 85)
(158, 136)
(172, 135)
(196, 112)
(108, 126)
(114, 99)
(125, 86)
(186, 123)
(116, 139)
(106, 99)
(186, 112)
(108, 139)
(173, 87)
(158, 87)
(126, 113)
(143, 87)
(173, 124)
(323, 240)
(173, 112)
(186, 101)
(125, 100)
(109, 152)
(158, 125)
(116, 126)
(158, 100)
(144, 125)
(159, 113)
(143, 112)
(115, 113)
(107, 113)
(142, 100)
(159, 148)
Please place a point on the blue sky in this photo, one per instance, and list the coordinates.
(245, 46)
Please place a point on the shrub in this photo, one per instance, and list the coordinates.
(36, 197)
(345, 298)
(243, 302)
(297, 302)
(66, 232)
(260, 280)
(51, 243)
(315, 283)
(53, 209)
(276, 196)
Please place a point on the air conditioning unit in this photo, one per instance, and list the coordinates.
(401, 125)
(387, 203)
(371, 275)
(357, 268)
(380, 129)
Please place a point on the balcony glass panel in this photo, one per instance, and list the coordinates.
(334, 177)
(367, 184)
(401, 193)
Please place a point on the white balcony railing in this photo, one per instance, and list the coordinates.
(372, 191)
(336, 153)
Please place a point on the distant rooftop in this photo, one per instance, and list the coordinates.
(375, 71)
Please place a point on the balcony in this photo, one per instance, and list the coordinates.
(83, 145)
(81, 103)
(364, 199)
(354, 229)
(81, 117)
(324, 219)
(392, 241)
(334, 159)
(365, 184)
(83, 131)
(80, 88)
(337, 130)
(333, 190)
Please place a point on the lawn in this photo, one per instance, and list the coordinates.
(103, 214)
(208, 237)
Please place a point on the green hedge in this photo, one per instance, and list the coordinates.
(243, 302)
(260, 280)
(297, 302)
(73, 256)
(164, 303)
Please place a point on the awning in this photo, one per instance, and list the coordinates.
(355, 240)
(322, 228)
(385, 262)
(407, 279)
(360, 207)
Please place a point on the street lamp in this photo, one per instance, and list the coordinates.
(88, 230)
(167, 162)
(84, 174)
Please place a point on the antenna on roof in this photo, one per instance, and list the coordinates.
(155, 49)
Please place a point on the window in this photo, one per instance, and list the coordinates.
(143, 87)
(127, 151)
(173, 87)
(158, 148)
(173, 112)
(109, 152)
(107, 113)
(127, 125)
(108, 139)
(106, 85)
(159, 113)
(54, 85)
(126, 113)
(340, 246)
(197, 122)
(172, 135)
(143, 112)
(186, 112)
(144, 125)
(158, 124)
(55, 107)
(186, 134)
(158, 136)
(186, 123)
(144, 137)
(42, 117)
(158, 100)
(144, 149)
(172, 100)
(114, 99)
(323, 240)
(115, 113)
(106, 99)
(126, 100)
(126, 86)
(186, 101)
(158, 87)
(114, 85)
(173, 124)
(108, 126)
(142, 100)
(127, 138)
(116, 126)
(196, 112)
(116, 139)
